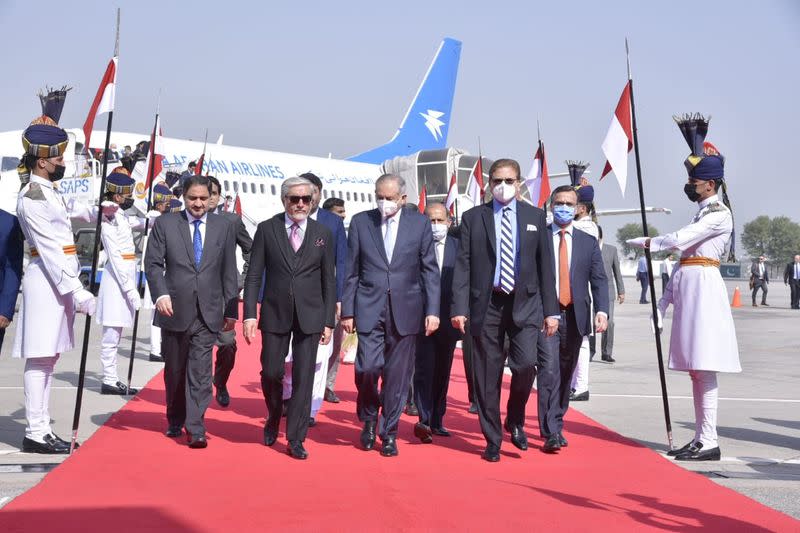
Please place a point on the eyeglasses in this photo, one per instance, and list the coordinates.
(567, 204)
(507, 181)
(297, 199)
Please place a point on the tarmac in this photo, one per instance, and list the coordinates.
(759, 409)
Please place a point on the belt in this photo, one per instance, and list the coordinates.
(129, 257)
(69, 249)
(699, 261)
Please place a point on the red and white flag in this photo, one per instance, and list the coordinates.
(237, 205)
(475, 186)
(154, 155)
(423, 199)
(538, 180)
(198, 170)
(103, 100)
(452, 194)
(619, 140)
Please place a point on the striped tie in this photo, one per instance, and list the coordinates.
(506, 253)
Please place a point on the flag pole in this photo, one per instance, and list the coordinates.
(140, 279)
(656, 329)
(76, 417)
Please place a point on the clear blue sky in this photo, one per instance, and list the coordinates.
(319, 77)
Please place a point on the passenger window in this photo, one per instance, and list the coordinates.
(244, 186)
(272, 189)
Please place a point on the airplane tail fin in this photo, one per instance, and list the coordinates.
(427, 121)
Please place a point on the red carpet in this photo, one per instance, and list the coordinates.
(129, 477)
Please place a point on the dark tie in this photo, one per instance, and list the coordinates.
(198, 243)
(506, 253)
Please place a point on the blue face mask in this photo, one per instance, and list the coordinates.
(563, 214)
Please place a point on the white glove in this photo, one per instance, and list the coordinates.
(84, 301)
(133, 298)
(638, 242)
(109, 208)
(659, 322)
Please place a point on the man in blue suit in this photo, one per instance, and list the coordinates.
(435, 352)
(10, 268)
(391, 289)
(578, 266)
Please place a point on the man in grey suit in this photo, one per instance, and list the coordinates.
(391, 292)
(226, 341)
(616, 291)
(191, 268)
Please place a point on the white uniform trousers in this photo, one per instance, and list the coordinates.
(108, 353)
(320, 377)
(37, 381)
(580, 378)
(155, 339)
(706, 394)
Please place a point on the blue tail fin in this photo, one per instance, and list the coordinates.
(427, 121)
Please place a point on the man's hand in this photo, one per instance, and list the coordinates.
(431, 324)
(459, 322)
(325, 338)
(621, 298)
(164, 306)
(338, 311)
(639, 242)
(134, 299)
(250, 330)
(348, 325)
(600, 322)
(550, 326)
(4, 322)
(229, 324)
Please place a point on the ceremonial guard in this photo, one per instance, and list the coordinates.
(585, 220)
(51, 290)
(118, 298)
(161, 198)
(697, 291)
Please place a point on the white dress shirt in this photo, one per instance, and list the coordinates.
(439, 249)
(289, 223)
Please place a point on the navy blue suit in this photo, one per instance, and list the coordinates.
(435, 352)
(10, 265)
(389, 303)
(556, 368)
(335, 224)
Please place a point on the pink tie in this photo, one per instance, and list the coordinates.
(295, 237)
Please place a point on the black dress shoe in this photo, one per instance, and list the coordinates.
(491, 453)
(223, 398)
(562, 441)
(518, 437)
(712, 454)
(330, 396)
(296, 450)
(120, 389)
(423, 433)
(389, 447)
(440, 431)
(173, 431)
(156, 358)
(198, 441)
(312, 422)
(473, 408)
(51, 445)
(608, 359)
(552, 444)
(411, 410)
(582, 397)
(65, 442)
(270, 435)
(692, 445)
(368, 435)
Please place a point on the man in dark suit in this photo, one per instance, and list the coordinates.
(791, 276)
(191, 267)
(391, 289)
(226, 340)
(10, 268)
(616, 291)
(503, 282)
(578, 265)
(759, 279)
(434, 356)
(295, 255)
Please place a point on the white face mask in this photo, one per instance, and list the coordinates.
(504, 192)
(439, 231)
(387, 207)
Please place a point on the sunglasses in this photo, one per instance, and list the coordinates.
(296, 199)
(507, 181)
